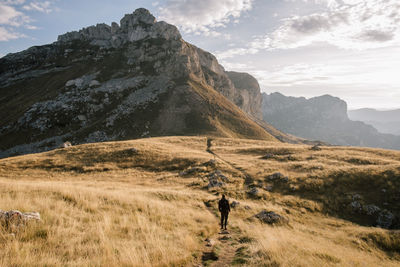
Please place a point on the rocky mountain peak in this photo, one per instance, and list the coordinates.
(133, 27)
(139, 16)
(330, 107)
(129, 80)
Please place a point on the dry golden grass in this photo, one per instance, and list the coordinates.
(103, 224)
(310, 240)
(106, 205)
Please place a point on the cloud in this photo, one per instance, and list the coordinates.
(12, 2)
(353, 24)
(44, 7)
(346, 24)
(202, 17)
(221, 55)
(372, 72)
(6, 35)
(376, 36)
(12, 17)
(330, 3)
(302, 74)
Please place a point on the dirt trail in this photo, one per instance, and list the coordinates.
(221, 248)
(223, 252)
(248, 178)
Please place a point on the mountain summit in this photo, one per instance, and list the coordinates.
(134, 27)
(136, 79)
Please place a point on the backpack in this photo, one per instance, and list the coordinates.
(223, 205)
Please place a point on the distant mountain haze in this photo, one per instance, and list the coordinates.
(322, 118)
(387, 121)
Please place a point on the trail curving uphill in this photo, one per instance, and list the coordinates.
(248, 178)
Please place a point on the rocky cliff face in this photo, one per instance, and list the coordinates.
(142, 25)
(249, 95)
(322, 118)
(134, 27)
(321, 108)
(136, 79)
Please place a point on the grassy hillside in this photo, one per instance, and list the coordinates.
(146, 202)
(223, 117)
(154, 104)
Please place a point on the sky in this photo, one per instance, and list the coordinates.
(345, 48)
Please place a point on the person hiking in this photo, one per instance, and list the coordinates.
(224, 208)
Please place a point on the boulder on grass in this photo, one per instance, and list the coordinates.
(66, 144)
(385, 219)
(235, 204)
(215, 183)
(316, 148)
(15, 217)
(277, 176)
(271, 217)
(254, 192)
(218, 175)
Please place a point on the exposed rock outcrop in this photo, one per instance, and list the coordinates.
(244, 91)
(271, 217)
(249, 98)
(134, 27)
(277, 176)
(254, 192)
(15, 217)
(132, 80)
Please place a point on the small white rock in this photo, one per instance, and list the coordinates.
(94, 83)
(79, 82)
(82, 117)
(70, 83)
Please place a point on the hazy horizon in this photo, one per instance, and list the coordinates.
(345, 48)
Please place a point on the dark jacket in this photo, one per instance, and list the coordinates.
(223, 206)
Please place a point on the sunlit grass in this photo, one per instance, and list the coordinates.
(108, 205)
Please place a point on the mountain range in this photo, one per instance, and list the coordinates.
(385, 121)
(200, 132)
(322, 118)
(135, 79)
(139, 78)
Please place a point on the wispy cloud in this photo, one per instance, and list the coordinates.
(44, 7)
(6, 34)
(352, 25)
(203, 17)
(346, 24)
(10, 16)
(13, 16)
(12, 2)
(362, 70)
